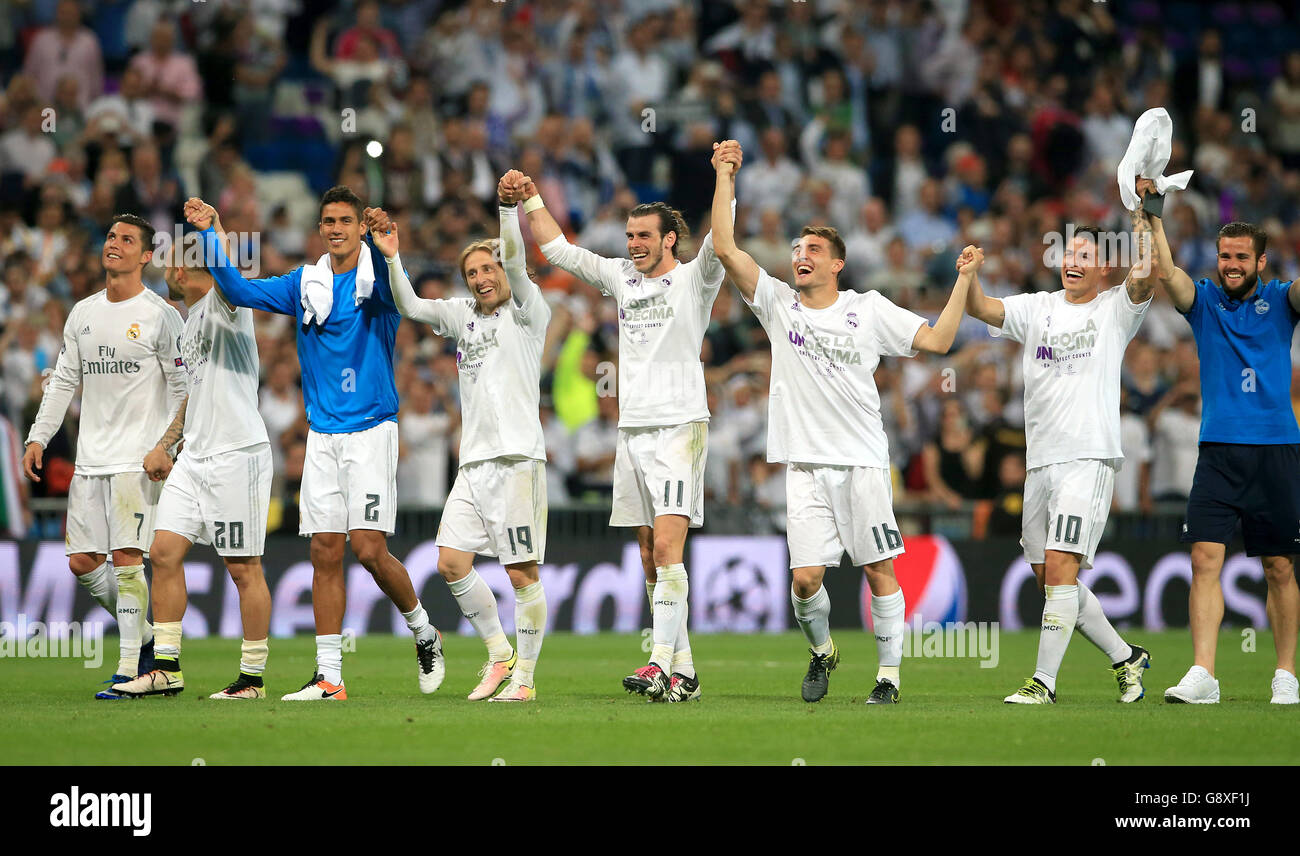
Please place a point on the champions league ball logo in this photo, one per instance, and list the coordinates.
(736, 596)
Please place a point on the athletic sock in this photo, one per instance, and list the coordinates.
(1093, 625)
(530, 629)
(1060, 612)
(814, 617)
(671, 592)
(102, 586)
(167, 646)
(329, 657)
(252, 658)
(132, 606)
(418, 620)
(479, 605)
(887, 625)
(683, 659)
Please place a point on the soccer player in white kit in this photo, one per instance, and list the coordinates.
(120, 346)
(1074, 350)
(497, 506)
(219, 489)
(824, 423)
(663, 309)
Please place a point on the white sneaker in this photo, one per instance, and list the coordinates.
(1286, 689)
(1197, 687)
(318, 689)
(433, 667)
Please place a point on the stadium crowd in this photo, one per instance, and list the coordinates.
(914, 127)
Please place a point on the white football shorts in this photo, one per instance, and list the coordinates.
(833, 509)
(1066, 506)
(497, 508)
(114, 512)
(221, 500)
(349, 481)
(660, 471)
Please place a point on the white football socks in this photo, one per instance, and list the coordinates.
(252, 656)
(418, 621)
(530, 629)
(479, 606)
(670, 594)
(814, 617)
(132, 611)
(1093, 625)
(683, 659)
(1060, 613)
(887, 626)
(101, 584)
(329, 657)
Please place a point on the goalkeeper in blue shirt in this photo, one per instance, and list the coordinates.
(347, 322)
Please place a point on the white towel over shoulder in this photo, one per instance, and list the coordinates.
(318, 285)
(1147, 156)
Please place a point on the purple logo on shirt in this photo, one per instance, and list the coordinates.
(796, 339)
(667, 281)
(852, 320)
(470, 326)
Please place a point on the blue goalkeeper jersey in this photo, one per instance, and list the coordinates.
(347, 362)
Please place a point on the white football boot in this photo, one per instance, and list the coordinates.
(432, 665)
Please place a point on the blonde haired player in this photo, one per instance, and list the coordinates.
(824, 422)
(663, 308)
(219, 490)
(120, 346)
(497, 506)
(1074, 342)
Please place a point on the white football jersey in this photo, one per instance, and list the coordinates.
(824, 407)
(1073, 356)
(499, 359)
(125, 356)
(661, 324)
(219, 347)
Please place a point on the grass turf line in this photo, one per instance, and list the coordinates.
(751, 713)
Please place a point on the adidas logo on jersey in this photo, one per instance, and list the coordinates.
(85, 331)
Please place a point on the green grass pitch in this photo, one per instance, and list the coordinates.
(751, 713)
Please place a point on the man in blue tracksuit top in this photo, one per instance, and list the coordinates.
(1249, 464)
(347, 322)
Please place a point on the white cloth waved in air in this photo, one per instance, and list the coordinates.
(1147, 156)
(318, 285)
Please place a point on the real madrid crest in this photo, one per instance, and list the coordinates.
(133, 332)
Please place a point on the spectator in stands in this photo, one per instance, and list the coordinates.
(170, 76)
(66, 49)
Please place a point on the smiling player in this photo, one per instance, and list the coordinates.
(824, 423)
(497, 507)
(120, 346)
(1074, 350)
(663, 310)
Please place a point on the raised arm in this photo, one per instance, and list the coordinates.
(1182, 291)
(278, 294)
(593, 269)
(436, 313)
(979, 305)
(509, 190)
(938, 339)
(739, 265)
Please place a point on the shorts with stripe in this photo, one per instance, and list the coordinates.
(659, 471)
(1066, 507)
(220, 500)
